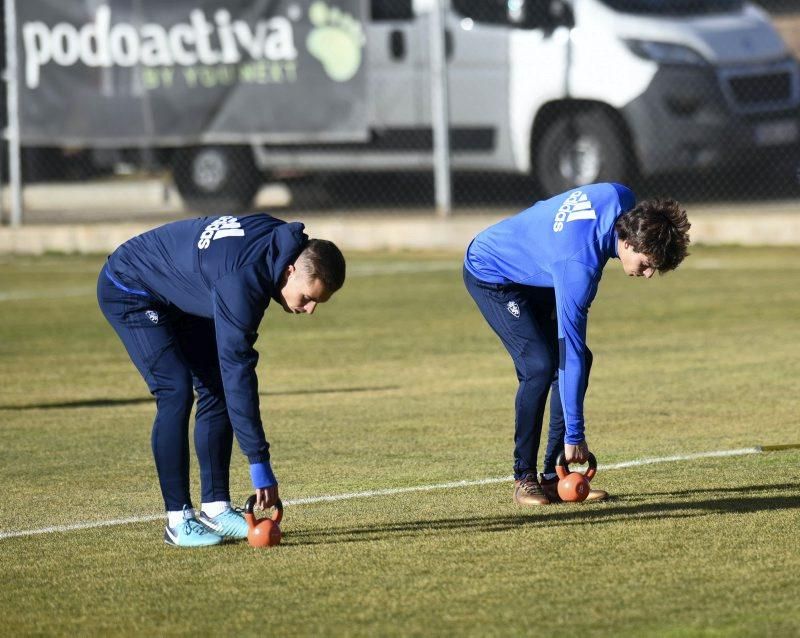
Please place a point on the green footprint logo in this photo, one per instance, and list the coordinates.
(336, 41)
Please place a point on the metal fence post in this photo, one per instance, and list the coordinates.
(440, 111)
(12, 105)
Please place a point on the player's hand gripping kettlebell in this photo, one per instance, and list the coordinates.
(264, 532)
(574, 486)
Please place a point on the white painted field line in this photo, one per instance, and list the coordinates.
(503, 479)
(371, 270)
(61, 293)
(396, 268)
(388, 492)
(78, 526)
(680, 457)
(402, 267)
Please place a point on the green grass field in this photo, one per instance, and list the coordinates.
(398, 383)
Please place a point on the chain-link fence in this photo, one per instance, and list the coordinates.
(127, 109)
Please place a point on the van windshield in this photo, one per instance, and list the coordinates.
(675, 7)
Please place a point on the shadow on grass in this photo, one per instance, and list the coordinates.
(748, 489)
(105, 403)
(618, 510)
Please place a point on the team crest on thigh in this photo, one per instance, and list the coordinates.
(513, 308)
(152, 315)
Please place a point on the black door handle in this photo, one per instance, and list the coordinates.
(397, 45)
(448, 44)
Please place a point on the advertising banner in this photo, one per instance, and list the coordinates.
(156, 73)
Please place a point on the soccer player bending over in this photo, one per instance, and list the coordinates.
(533, 277)
(186, 299)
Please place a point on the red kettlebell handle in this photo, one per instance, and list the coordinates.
(562, 469)
(277, 509)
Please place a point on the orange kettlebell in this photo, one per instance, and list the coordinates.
(264, 532)
(574, 486)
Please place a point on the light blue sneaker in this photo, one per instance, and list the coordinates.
(228, 524)
(190, 533)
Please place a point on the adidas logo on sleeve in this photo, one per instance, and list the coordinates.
(220, 228)
(576, 206)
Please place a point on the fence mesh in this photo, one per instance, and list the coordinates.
(699, 132)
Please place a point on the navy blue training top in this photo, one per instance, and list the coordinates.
(561, 243)
(227, 269)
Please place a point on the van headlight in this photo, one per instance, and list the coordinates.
(665, 53)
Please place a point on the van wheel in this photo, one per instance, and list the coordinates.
(582, 147)
(216, 179)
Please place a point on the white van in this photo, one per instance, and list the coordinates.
(568, 91)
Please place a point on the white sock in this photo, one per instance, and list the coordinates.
(176, 517)
(216, 508)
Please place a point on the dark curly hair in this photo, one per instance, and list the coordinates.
(659, 229)
(321, 259)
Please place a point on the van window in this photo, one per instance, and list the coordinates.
(526, 14)
(675, 7)
(392, 10)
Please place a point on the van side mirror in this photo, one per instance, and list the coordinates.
(539, 14)
(517, 12)
(560, 14)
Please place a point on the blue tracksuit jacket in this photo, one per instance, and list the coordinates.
(561, 243)
(226, 269)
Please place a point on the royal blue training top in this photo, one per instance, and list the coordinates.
(560, 243)
(226, 269)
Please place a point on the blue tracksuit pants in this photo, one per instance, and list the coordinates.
(524, 317)
(176, 352)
